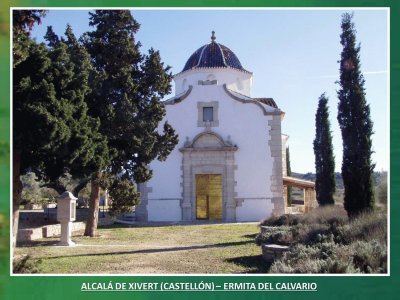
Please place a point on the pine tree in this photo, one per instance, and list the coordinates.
(355, 124)
(126, 94)
(324, 160)
(289, 173)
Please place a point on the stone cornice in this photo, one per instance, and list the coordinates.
(225, 145)
(211, 69)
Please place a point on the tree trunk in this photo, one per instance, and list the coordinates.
(17, 191)
(55, 185)
(80, 186)
(91, 224)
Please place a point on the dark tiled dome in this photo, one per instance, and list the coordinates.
(213, 55)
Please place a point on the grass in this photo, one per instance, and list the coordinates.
(214, 249)
(326, 241)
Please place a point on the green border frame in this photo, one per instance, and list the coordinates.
(329, 287)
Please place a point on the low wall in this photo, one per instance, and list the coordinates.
(55, 230)
(29, 234)
(32, 234)
(31, 206)
(46, 231)
(297, 209)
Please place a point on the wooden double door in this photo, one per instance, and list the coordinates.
(208, 197)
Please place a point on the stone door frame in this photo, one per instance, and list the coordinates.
(208, 153)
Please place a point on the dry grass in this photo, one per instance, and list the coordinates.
(219, 248)
(321, 215)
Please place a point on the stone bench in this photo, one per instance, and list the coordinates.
(271, 252)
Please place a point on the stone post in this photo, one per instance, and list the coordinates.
(66, 214)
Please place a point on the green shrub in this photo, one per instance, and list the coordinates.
(290, 235)
(25, 265)
(284, 220)
(325, 241)
(319, 258)
(381, 189)
(276, 235)
(370, 257)
(330, 257)
(331, 214)
(366, 227)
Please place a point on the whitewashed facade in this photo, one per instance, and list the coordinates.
(228, 163)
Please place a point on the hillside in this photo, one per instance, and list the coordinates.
(339, 180)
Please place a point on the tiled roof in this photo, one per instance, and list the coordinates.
(213, 55)
(267, 101)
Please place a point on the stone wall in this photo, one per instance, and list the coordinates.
(32, 234)
(55, 230)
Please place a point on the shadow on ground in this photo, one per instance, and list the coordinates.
(144, 251)
(38, 243)
(250, 236)
(167, 224)
(254, 264)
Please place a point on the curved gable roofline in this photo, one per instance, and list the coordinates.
(179, 98)
(245, 99)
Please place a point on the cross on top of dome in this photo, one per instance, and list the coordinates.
(213, 36)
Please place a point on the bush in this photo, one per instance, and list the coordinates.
(276, 235)
(284, 220)
(319, 258)
(25, 265)
(325, 241)
(290, 235)
(366, 227)
(370, 257)
(381, 189)
(330, 257)
(331, 214)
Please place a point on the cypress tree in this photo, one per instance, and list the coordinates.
(86, 150)
(51, 129)
(126, 94)
(23, 22)
(324, 160)
(355, 124)
(289, 173)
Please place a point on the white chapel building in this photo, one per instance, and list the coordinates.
(228, 163)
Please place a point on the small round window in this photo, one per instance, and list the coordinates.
(211, 77)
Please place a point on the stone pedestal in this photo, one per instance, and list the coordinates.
(65, 240)
(66, 214)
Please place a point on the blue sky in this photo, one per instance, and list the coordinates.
(293, 55)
